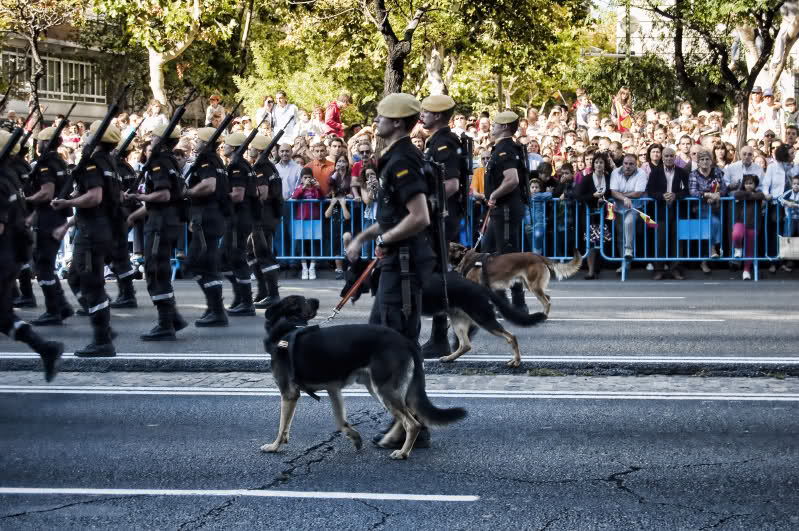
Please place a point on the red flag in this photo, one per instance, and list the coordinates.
(714, 188)
(649, 221)
(611, 213)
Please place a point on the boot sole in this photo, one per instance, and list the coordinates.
(158, 338)
(82, 355)
(217, 324)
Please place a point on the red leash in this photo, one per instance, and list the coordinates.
(353, 289)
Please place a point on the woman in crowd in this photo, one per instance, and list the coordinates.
(592, 190)
(720, 154)
(654, 155)
(707, 183)
(153, 117)
(621, 110)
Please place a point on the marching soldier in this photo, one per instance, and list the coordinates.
(26, 298)
(505, 192)
(207, 189)
(270, 191)
(443, 147)
(15, 250)
(120, 256)
(244, 196)
(163, 193)
(47, 179)
(97, 203)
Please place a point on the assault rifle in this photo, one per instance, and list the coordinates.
(211, 144)
(435, 171)
(29, 132)
(170, 127)
(239, 153)
(57, 134)
(119, 151)
(91, 145)
(264, 156)
(5, 97)
(16, 136)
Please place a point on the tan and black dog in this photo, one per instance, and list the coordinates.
(309, 358)
(500, 271)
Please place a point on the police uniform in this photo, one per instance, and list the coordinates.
(161, 232)
(505, 219)
(208, 219)
(261, 255)
(240, 175)
(406, 263)
(50, 169)
(23, 170)
(93, 242)
(120, 256)
(14, 250)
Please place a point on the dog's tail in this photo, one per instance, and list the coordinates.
(418, 400)
(513, 314)
(568, 269)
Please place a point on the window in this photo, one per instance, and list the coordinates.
(64, 79)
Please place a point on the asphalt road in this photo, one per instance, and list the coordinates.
(698, 319)
(192, 462)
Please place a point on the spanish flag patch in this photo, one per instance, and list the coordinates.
(44, 169)
(442, 148)
(91, 168)
(204, 166)
(401, 174)
(157, 168)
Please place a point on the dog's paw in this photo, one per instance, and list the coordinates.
(356, 440)
(270, 448)
(446, 359)
(398, 454)
(285, 439)
(514, 363)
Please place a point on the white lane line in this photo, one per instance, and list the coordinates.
(255, 493)
(625, 320)
(263, 391)
(647, 298)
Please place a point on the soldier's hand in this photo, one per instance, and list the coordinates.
(492, 203)
(58, 204)
(59, 232)
(353, 250)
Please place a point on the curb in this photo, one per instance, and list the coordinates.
(460, 368)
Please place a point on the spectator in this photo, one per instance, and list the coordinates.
(707, 183)
(733, 173)
(627, 184)
(720, 154)
(266, 110)
(668, 183)
(336, 148)
(747, 211)
(478, 178)
(459, 127)
(790, 200)
(584, 108)
(303, 124)
(621, 110)
(320, 166)
(70, 137)
(777, 175)
(285, 115)
(153, 117)
(790, 116)
(594, 127)
(340, 181)
(333, 121)
(593, 190)
(213, 107)
(686, 112)
(308, 209)
(535, 217)
(288, 170)
(654, 155)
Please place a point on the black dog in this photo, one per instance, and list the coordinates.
(471, 305)
(311, 359)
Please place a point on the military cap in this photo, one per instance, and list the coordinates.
(4, 136)
(235, 139)
(15, 150)
(159, 130)
(399, 105)
(111, 135)
(506, 117)
(438, 103)
(205, 133)
(259, 142)
(46, 134)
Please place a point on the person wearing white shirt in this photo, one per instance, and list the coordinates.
(627, 184)
(266, 110)
(283, 113)
(734, 173)
(154, 117)
(773, 187)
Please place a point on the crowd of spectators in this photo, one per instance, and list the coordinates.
(575, 152)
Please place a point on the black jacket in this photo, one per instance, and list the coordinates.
(656, 186)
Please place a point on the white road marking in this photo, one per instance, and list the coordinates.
(356, 392)
(614, 298)
(624, 320)
(255, 493)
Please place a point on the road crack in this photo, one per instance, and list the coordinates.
(618, 479)
(724, 521)
(211, 514)
(65, 506)
(384, 516)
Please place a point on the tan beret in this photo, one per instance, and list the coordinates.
(235, 139)
(259, 142)
(438, 103)
(160, 129)
(111, 135)
(15, 149)
(399, 105)
(46, 134)
(506, 117)
(4, 136)
(205, 133)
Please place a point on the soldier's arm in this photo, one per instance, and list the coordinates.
(45, 194)
(416, 221)
(203, 188)
(92, 198)
(510, 180)
(159, 196)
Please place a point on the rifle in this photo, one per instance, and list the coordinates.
(467, 153)
(54, 139)
(119, 151)
(170, 127)
(440, 197)
(91, 145)
(16, 135)
(275, 139)
(243, 148)
(211, 144)
(5, 97)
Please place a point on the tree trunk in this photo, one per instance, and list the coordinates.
(742, 104)
(157, 83)
(500, 97)
(395, 68)
(37, 72)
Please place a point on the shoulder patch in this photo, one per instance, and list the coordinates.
(502, 154)
(442, 148)
(91, 168)
(402, 173)
(156, 168)
(204, 166)
(44, 169)
(234, 172)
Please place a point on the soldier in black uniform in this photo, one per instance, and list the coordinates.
(120, 256)
(20, 166)
(261, 257)
(47, 179)
(97, 201)
(403, 248)
(15, 250)
(162, 197)
(505, 194)
(210, 206)
(443, 147)
(246, 207)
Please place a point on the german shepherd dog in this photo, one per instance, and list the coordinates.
(311, 359)
(500, 271)
(470, 307)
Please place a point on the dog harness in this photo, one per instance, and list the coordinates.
(287, 344)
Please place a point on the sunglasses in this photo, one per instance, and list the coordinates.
(270, 101)
(364, 153)
(770, 136)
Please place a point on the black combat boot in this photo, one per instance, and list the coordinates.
(244, 307)
(52, 304)
(236, 292)
(517, 294)
(438, 344)
(165, 329)
(273, 294)
(49, 351)
(26, 298)
(103, 346)
(127, 294)
(216, 309)
(260, 278)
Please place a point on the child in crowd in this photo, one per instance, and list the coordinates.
(535, 217)
(307, 210)
(746, 211)
(337, 229)
(790, 200)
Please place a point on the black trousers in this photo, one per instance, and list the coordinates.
(91, 248)
(157, 266)
(8, 276)
(235, 248)
(262, 253)
(202, 261)
(387, 306)
(44, 255)
(504, 232)
(120, 256)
